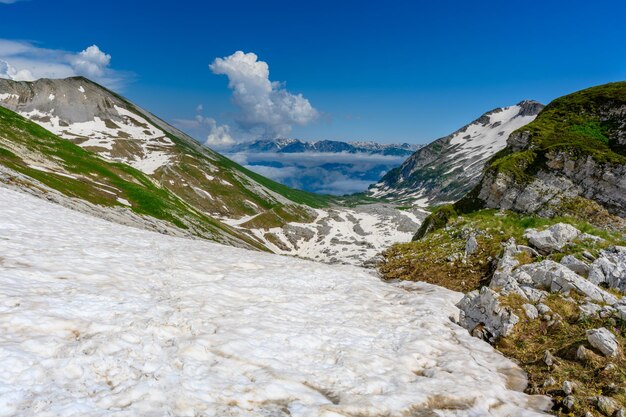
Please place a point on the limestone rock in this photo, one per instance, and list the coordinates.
(553, 239)
(531, 311)
(575, 265)
(482, 308)
(603, 340)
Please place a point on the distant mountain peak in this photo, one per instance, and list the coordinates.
(447, 168)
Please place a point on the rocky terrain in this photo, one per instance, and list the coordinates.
(446, 169)
(575, 150)
(539, 249)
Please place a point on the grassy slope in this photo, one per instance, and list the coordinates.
(88, 169)
(573, 123)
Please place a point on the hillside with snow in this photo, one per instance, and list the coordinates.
(101, 319)
(446, 169)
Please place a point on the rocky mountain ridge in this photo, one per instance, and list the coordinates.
(446, 169)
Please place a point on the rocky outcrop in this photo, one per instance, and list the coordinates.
(565, 176)
(575, 149)
(484, 315)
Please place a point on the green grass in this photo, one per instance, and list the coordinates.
(92, 175)
(579, 124)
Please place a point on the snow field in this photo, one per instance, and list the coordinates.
(100, 319)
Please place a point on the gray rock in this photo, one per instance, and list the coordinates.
(583, 354)
(531, 311)
(589, 310)
(606, 405)
(548, 358)
(558, 278)
(610, 268)
(549, 382)
(568, 388)
(569, 402)
(575, 265)
(543, 309)
(471, 246)
(588, 256)
(554, 238)
(593, 238)
(603, 340)
(482, 309)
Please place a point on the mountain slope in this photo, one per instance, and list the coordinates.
(572, 157)
(449, 167)
(102, 122)
(100, 319)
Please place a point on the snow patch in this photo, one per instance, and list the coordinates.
(96, 318)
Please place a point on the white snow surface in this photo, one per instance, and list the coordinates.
(101, 319)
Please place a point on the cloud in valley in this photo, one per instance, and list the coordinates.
(25, 61)
(267, 109)
(320, 172)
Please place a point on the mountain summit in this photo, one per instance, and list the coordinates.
(449, 167)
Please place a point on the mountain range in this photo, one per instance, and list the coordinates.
(328, 167)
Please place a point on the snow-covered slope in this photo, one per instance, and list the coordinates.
(449, 167)
(104, 123)
(100, 319)
(353, 236)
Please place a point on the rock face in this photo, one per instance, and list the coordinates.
(604, 341)
(449, 167)
(575, 149)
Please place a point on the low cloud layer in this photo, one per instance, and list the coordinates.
(24, 61)
(320, 172)
(267, 109)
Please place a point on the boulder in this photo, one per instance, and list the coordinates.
(555, 238)
(531, 311)
(576, 265)
(603, 340)
(482, 309)
(471, 246)
(606, 405)
(610, 268)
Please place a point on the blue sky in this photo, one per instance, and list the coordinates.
(388, 71)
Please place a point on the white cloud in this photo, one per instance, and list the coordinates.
(25, 61)
(7, 71)
(91, 62)
(217, 136)
(267, 108)
(9, 1)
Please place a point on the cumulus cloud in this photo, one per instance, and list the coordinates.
(91, 62)
(7, 71)
(266, 107)
(213, 134)
(24, 61)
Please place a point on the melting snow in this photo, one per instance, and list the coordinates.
(101, 319)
